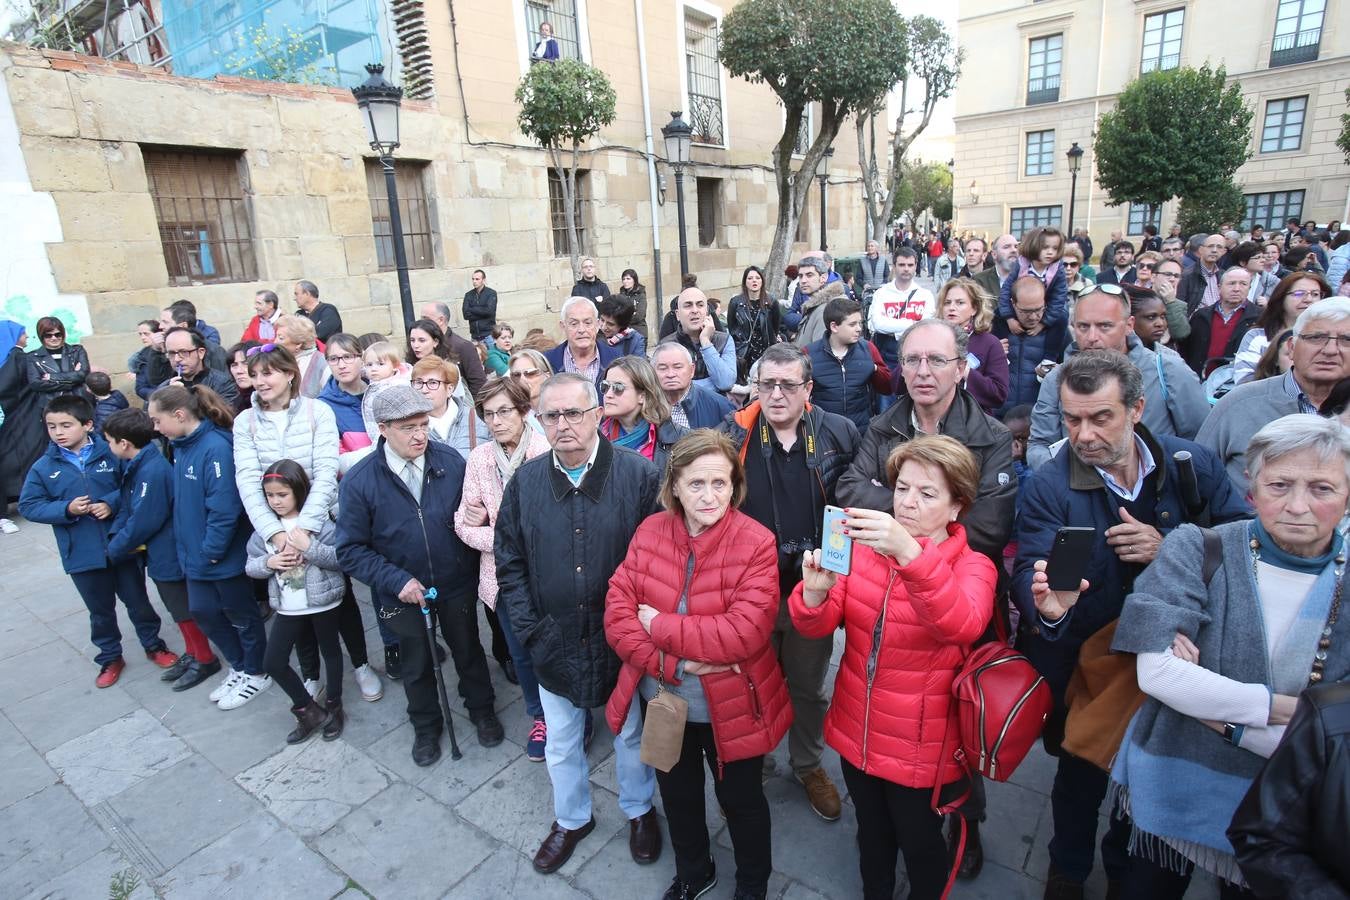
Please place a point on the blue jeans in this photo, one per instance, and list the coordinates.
(529, 687)
(100, 590)
(229, 615)
(569, 769)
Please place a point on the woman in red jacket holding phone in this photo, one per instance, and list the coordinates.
(690, 610)
(914, 601)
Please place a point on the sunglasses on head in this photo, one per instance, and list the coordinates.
(261, 348)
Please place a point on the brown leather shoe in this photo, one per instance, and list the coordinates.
(821, 794)
(644, 838)
(557, 848)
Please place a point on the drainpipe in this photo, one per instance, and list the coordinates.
(654, 297)
(1096, 114)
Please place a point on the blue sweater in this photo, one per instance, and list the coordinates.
(145, 515)
(54, 481)
(209, 524)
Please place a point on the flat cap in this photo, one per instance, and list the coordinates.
(398, 401)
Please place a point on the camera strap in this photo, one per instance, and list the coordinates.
(766, 452)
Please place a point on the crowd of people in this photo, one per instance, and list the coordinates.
(640, 517)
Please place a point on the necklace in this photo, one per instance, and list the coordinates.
(1319, 663)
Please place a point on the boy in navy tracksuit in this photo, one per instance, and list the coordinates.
(74, 487)
(143, 529)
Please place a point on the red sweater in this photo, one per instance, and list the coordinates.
(931, 611)
(731, 608)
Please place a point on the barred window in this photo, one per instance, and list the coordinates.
(1283, 127)
(703, 78)
(561, 15)
(557, 210)
(709, 210)
(1139, 217)
(413, 211)
(1040, 158)
(1298, 31)
(1162, 41)
(202, 210)
(1271, 210)
(1026, 218)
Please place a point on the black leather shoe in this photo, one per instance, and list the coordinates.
(1059, 886)
(393, 664)
(644, 839)
(490, 732)
(196, 673)
(426, 749)
(684, 890)
(175, 671)
(509, 670)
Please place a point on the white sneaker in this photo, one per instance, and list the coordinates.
(250, 687)
(7, 526)
(369, 683)
(226, 686)
(316, 690)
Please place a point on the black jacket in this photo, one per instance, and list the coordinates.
(64, 376)
(385, 537)
(1191, 288)
(1289, 831)
(23, 436)
(326, 318)
(480, 311)
(596, 290)
(557, 546)
(1195, 348)
(989, 521)
(217, 381)
(161, 370)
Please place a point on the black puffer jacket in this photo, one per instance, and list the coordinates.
(557, 546)
(989, 521)
(1289, 831)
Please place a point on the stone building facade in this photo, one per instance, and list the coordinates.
(282, 185)
(1048, 70)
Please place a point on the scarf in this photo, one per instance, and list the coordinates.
(266, 330)
(642, 439)
(507, 465)
(1163, 749)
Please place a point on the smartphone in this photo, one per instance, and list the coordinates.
(836, 551)
(1069, 557)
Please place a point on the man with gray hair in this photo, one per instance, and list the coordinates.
(1122, 480)
(327, 320)
(691, 404)
(563, 527)
(874, 269)
(1175, 402)
(814, 289)
(581, 351)
(1320, 349)
(470, 365)
(1200, 286)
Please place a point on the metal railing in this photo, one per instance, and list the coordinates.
(1301, 46)
(705, 117)
(1043, 90)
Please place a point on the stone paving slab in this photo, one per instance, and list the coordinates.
(261, 858)
(116, 756)
(94, 878)
(46, 834)
(25, 771)
(311, 786)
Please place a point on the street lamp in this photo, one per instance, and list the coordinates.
(823, 173)
(678, 137)
(1075, 155)
(379, 102)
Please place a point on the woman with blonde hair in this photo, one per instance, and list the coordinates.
(965, 304)
(637, 414)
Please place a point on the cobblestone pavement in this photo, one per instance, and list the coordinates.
(136, 784)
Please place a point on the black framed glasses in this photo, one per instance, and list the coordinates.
(432, 384)
(789, 388)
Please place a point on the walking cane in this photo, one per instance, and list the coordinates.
(440, 676)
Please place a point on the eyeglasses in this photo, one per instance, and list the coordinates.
(261, 348)
(343, 360)
(573, 416)
(1036, 313)
(1114, 290)
(617, 387)
(1145, 266)
(1071, 263)
(525, 373)
(181, 354)
(1168, 274)
(433, 384)
(789, 388)
(499, 415)
(935, 362)
(412, 430)
(1321, 339)
(1299, 295)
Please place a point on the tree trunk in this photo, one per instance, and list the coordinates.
(876, 202)
(570, 202)
(793, 187)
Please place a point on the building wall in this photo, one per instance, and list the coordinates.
(82, 123)
(1102, 52)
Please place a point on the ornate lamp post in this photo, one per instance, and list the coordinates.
(679, 136)
(823, 173)
(379, 103)
(1075, 155)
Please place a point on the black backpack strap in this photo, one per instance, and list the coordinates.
(1213, 553)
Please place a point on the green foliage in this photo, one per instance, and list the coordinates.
(286, 56)
(1172, 134)
(1343, 141)
(924, 186)
(123, 884)
(1205, 209)
(563, 103)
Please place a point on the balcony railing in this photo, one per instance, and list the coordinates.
(1288, 49)
(705, 117)
(1043, 90)
(1160, 63)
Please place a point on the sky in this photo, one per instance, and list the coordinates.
(938, 139)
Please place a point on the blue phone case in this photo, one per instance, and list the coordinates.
(836, 552)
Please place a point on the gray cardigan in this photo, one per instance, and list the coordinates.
(324, 584)
(1240, 414)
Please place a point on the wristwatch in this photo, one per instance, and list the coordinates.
(1232, 733)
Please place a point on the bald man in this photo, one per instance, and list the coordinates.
(714, 351)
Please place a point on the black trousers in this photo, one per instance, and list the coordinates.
(458, 621)
(895, 820)
(500, 651)
(740, 790)
(1146, 880)
(286, 630)
(351, 629)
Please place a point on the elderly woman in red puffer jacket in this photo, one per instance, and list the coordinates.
(692, 607)
(914, 601)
